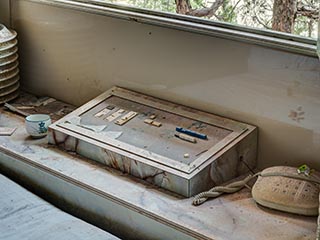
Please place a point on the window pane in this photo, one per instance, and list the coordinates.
(299, 17)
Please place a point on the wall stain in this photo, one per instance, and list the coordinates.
(297, 115)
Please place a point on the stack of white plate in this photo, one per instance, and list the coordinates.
(9, 72)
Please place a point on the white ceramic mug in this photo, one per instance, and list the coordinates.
(37, 125)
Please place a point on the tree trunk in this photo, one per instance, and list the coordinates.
(208, 11)
(284, 12)
(183, 6)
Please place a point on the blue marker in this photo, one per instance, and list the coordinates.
(191, 133)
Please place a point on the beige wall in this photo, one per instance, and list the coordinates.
(74, 56)
(5, 12)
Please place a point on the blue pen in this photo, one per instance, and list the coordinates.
(191, 133)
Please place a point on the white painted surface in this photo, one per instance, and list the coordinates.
(74, 56)
(23, 215)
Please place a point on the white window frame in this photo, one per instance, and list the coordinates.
(318, 49)
(267, 38)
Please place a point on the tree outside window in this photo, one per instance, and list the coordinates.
(299, 17)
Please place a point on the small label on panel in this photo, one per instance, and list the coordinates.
(157, 124)
(148, 121)
(114, 115)
(126, 118)
(102, 113)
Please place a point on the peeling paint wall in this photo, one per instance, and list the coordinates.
(74, 56)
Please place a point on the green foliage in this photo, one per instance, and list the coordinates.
(197, 4)
(227, 12)
(159, 5)
(305, 27)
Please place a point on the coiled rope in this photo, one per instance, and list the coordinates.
(238, 185)
(217, 191)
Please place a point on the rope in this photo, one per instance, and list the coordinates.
(237, 186)
(217, 191)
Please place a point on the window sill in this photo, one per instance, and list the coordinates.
(266, 38)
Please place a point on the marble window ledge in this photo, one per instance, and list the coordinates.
(151, 212)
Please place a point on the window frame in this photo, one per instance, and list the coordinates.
(267, 38)
(318, 43)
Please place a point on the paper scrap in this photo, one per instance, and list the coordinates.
(75, 120)
(7, 131)
(95, 128)
(45, 102)
(111, 134)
